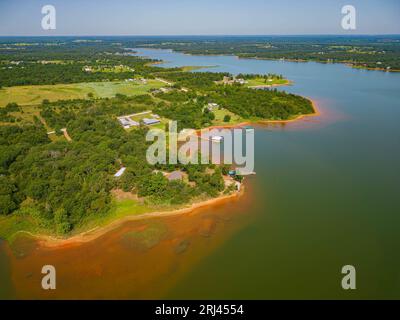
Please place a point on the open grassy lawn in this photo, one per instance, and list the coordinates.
(11, 225)
(221, 113)
(120, 209)
(269, 82)
(26, 95)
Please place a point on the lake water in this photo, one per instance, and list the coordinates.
(326, 194)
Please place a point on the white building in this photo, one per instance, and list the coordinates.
(149, 122)
(120, 172)
(211, 106)
(127, 122)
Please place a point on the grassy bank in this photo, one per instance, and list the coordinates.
(11, 226)
(259, 82)
(16, 227)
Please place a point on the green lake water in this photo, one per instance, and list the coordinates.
(326, 191)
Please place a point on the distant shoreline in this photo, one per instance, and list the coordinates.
(346, 63)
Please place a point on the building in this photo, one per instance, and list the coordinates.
(211, 106)
(175, 175)
(120, 172)
(240, 81)
(149, 122)
(165, 90)
(226, 80)
(127, 122)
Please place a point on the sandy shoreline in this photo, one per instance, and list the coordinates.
(54, 242)
(316, 112)
(299, 117)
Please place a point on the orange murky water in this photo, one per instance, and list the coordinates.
(139, 260)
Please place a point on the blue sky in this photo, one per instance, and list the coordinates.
(201, 17)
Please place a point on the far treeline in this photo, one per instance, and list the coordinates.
(375, 52)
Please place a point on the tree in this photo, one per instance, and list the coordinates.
(61, 221)
(7, 199)
(227, 118)
(7, 205)
(153, 184)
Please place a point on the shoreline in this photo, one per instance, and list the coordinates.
(298, 117)
(52, 242)
(314, 104)
(346, 63)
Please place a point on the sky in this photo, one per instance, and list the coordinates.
(198, 17)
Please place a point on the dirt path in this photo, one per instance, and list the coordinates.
(66, 135)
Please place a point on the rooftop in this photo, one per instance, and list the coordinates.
(120, 172)
(148, 121)
(175, 175)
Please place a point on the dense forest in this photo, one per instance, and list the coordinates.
(248, 103)
(61, 184)
(65, 62)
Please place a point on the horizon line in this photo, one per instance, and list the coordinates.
(206, 35)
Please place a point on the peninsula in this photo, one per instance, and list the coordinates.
(73, 127)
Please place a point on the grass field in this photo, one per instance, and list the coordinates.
(221, 113)
(269, 82)
(28, 95)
